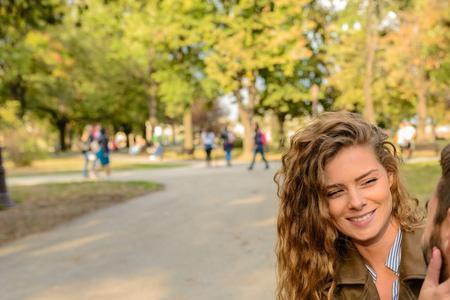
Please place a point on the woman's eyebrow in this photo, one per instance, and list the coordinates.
(357, 179)
(336, 185)
(365, 174)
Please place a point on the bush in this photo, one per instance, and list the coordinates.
(23, 148)
(22, 139)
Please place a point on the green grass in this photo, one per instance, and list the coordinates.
(421, 179)
(150, 166)
(76, 190)
(71, 164)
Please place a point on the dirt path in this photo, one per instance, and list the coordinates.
(209, 235)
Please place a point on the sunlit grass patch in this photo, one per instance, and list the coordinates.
(74, 163)
(421, 179)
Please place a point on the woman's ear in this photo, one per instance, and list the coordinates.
(391, 179)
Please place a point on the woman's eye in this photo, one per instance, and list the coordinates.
(369, 181)
(334, 193)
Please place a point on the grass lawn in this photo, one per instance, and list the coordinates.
(421, 179)
(42, 207)
(74, 164)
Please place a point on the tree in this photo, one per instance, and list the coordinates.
(24, 22)
(181, 74)
(18, 18)
(248, 37)
(411, 43)
(371, 45)
(299, 92)
(417, 57)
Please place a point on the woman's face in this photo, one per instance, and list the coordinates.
(358, 192)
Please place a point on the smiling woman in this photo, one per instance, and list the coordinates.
(360, 200)
(347, 228)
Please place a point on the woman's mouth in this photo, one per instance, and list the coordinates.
(362, 220)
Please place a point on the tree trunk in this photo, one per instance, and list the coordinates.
(314, 100)
(174, 134)
(5, 200)
(246, 119)
(18, 91)
(371, 35)
(61, 124)
(281, 117)
(275, 130)
(188, 136)
(421, 104)
(420, 83)
(151, 99)
(70, 135)
(127, 130)
(152, 107)
(246, 113)
(143, 131)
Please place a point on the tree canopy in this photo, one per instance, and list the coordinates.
(132, 63)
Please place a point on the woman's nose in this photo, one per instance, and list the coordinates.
(356, 200)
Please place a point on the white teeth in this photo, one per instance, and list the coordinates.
(362, 218)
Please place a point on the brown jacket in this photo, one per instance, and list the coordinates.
(353, 281)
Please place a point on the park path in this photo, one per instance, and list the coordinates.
(210, 234)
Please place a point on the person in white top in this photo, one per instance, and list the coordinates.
(405, 138)
(208, 138)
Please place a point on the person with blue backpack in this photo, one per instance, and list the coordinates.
(103, 151)
(228, 144)
(259, 143)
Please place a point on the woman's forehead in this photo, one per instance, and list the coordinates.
(352, 161)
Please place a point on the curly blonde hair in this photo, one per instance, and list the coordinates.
(307, 247)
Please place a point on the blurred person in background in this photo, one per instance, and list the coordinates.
(103, 151)
(87, 138)
(405, 138)
(208, 140)
(260, 141)
(228, 139)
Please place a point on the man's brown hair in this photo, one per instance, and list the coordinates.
(443, 187)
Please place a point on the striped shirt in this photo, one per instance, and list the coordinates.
(393, 263)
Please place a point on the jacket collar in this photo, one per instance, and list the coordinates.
(350, 269)
(412, 265)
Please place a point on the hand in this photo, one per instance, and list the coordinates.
(431, 289)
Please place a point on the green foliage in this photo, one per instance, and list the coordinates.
(18, 16)
(22, 153)
(412, 36)
(75, 62)
(24, 140)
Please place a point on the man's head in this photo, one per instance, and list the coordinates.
(437, 229)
